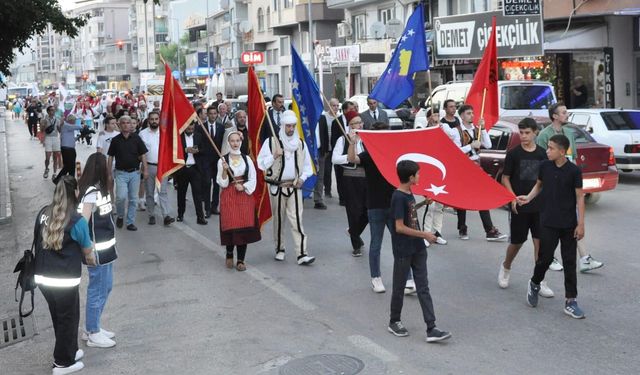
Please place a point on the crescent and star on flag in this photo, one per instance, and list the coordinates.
(422, 158)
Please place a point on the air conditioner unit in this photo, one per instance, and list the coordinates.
(344, 30)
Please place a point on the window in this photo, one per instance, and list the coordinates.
(622, 120)
(499, 138)
(580, 119)
(526, 97)
(288, 4)
(285, 46)
(100, 27)
(275, 5)
(260, 20)
(304, 40)
(268, 17)
(384, 15)
(141, 40)
(120, 67)
(360, 27)
(438, 99)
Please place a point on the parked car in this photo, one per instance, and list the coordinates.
(617, 128)
(596, 160)
(395, 122)
(516, 99)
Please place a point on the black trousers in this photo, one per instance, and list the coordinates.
(401, 266)
(241, 249)
(549, 238)
(485, 216)
(207, 176)
(189, 176)
(68, 162)
(64, 306)
(215, 193)
(327, 173)
(33, 128)
(339, 182)
(355, 190)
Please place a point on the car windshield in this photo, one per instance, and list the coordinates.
(622, 120)
(526, 97)
(581, 136)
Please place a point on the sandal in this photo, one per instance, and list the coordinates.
(241, 267)
(229, 263)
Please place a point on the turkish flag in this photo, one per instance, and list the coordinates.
(486, 78)
(256, 112)
(175, 115)
(446, 174)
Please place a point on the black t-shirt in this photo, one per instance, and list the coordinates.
(32, 114)
(558, 194)
(127, 151)
(379, 191)
(452, 124)
(403, 207)
(523, 168)
(580, 101)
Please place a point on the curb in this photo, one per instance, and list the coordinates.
(5, 194)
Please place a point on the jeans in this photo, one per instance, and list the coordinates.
(150, 188)
(378, 218)
(100, 284)
(549, 238)
(401, 265)
(64, 306)
(127, 185)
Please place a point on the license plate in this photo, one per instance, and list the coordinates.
(591, 183)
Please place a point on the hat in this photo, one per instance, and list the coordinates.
(351, 115)
(289, 117)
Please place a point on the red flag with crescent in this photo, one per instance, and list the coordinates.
(446, 174)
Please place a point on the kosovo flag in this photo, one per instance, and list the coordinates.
(410, 56)
(307, 104)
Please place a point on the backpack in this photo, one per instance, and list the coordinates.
(26, 267)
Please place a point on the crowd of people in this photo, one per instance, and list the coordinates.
(80, 223)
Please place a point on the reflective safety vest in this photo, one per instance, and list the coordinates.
(101, 227)
(58, 268)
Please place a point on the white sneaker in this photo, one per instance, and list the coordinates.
(378, 287)
(98, 340)
(555, 265)
(79, 354)
(306, 260)
(410, 288)
(441, 241)
(545, 291)
(503, 277)
(68, 370)
(85, 336)
(589, 264)
(280, 255)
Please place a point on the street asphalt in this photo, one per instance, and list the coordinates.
(176, 309)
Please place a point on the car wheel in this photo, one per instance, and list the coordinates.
(627, 170)
(591, 198)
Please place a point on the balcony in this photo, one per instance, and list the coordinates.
(285, 19)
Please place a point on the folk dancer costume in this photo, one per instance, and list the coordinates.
(283, 174)
(238, 218)
(355, 186)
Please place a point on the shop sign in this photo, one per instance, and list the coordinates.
(345, 54)
(252, 57)
(521, 7)
(466, 36)
(609, 98)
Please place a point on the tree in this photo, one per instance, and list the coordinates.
(26, 18)
(169, 53)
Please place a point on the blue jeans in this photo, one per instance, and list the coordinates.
(127, 185)
(378, 218)
(100, 284)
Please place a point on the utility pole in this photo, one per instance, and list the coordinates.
(146, 35)
(206, 25)
(311, 39)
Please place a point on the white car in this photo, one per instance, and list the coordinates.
(516, 99)
(618, 128)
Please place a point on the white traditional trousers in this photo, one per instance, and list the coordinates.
(287, 203)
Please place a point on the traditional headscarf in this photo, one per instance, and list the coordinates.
(290, 143)
(231, 150)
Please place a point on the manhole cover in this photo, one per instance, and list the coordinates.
(16, 329)
(323, 364)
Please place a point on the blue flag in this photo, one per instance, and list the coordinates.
(396, 83)
(307, 104)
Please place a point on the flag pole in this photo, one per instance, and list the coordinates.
(217, 150)
(433, 107)
(346, 136)
(484, 96)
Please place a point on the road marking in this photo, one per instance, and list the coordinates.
(258, 275)
(366, 344)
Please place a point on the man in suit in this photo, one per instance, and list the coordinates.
(191, 173)
(336, 133)
(275, 113)
(239, 125)
(209, 159)
(324, 155)
(373, 114)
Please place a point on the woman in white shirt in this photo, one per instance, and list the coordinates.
(238, 218)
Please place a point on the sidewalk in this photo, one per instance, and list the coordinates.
(5, 191)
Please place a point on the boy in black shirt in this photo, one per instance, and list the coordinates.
(410, 252)
(560, 183)
(521, 167)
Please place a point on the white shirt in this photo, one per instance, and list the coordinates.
(188, 139)
(374, 114)
(265, 161)
(338, 158)
(151, 139)
(211, 128)
(238, 171)
(471, 130)
(104, 141)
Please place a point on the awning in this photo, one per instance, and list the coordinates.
(582, 37)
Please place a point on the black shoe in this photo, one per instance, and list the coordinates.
(168, 220)
(398, 329)
(179, 219)
(320, 206)
(152, 220)
(342, 203)
(207, 214)
(215, 211)
(201, 221)
(435, 335)
(132, 227)
(119, 222)
(357, 252)
(328, 195)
